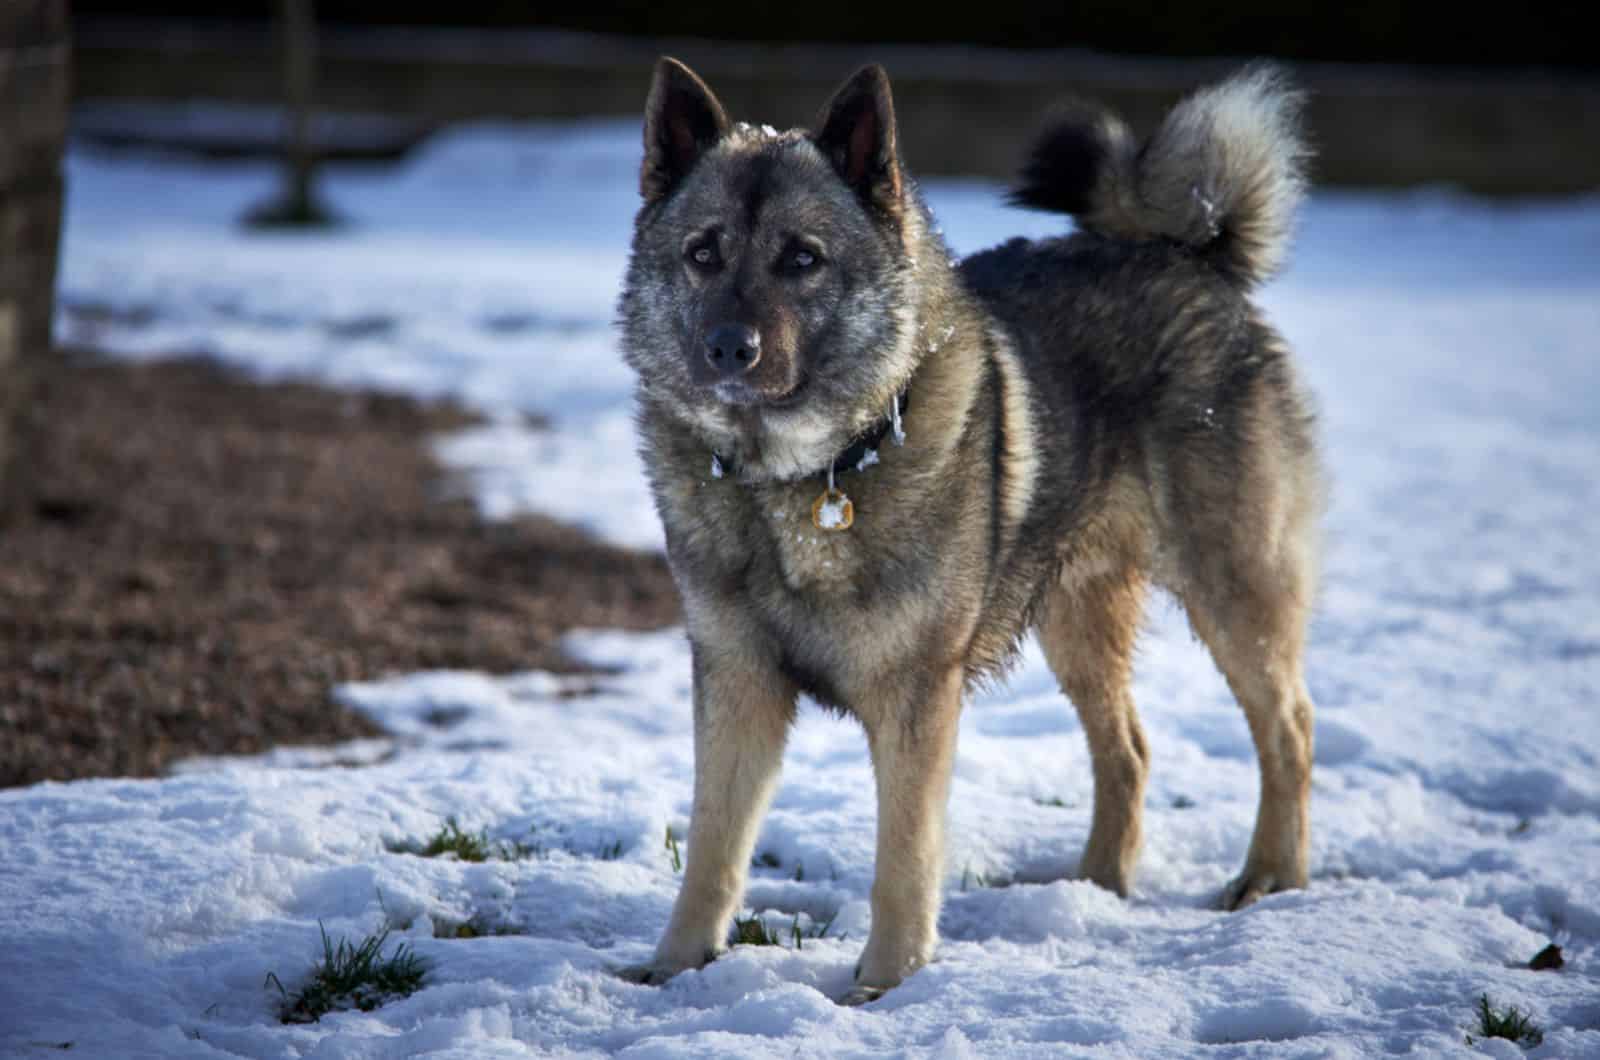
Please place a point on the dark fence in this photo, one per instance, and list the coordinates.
(963, 110)
(1413, 31)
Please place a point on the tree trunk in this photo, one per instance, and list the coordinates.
(34, 72)
(299, 74)
(297, 202)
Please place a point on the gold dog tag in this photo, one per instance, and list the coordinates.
(832, 510)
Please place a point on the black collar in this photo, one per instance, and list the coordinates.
(859, 455)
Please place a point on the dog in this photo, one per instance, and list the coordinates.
(878, 468)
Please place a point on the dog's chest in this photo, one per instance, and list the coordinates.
(808, 556)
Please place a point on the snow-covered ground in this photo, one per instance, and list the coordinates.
(1455, 346)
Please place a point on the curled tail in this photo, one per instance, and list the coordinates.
(1223, 174)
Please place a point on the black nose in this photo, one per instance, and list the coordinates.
(732, 349)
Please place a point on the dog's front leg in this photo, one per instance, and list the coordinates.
(913, 742)
(742, 713)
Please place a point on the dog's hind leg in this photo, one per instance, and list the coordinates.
(742, 715)
(1255, 627)
(1087, 630)
(913, 744)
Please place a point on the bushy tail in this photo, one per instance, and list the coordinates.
(1223, 174)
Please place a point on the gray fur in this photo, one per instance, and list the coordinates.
(1225, 172)
(1088, 416)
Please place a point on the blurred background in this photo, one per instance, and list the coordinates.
(307, 367)
(1501, 102)
(310, 390)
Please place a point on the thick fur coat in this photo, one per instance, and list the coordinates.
(1083, 418)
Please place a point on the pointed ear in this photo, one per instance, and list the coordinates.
(681, 119)
(856, 132)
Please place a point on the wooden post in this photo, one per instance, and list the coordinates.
(297, 203)
(34, 65)
(299, 70)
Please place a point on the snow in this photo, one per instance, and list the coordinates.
(1455, 661)
(218, 127)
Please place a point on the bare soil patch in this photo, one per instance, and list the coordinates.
(190, 561)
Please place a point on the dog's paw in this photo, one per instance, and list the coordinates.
(668, 962)
(1249, 886)
(652, 974)
(861, 995)
(1112, 873)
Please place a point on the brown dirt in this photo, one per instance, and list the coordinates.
(189, 563)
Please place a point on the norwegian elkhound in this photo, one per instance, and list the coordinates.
(879, 467)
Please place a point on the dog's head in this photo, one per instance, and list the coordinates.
(768, 299)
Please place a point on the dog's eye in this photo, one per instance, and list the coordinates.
(799, 259)
(705, 256)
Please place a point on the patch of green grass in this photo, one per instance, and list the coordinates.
(672, 848)
(753, 931)
(452, 841)
(768, 860)
(1054, 802)
(1512, 1024)
(466, 846)
(971, 879)
(476, 927)
(816, 930)
(352, 977)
